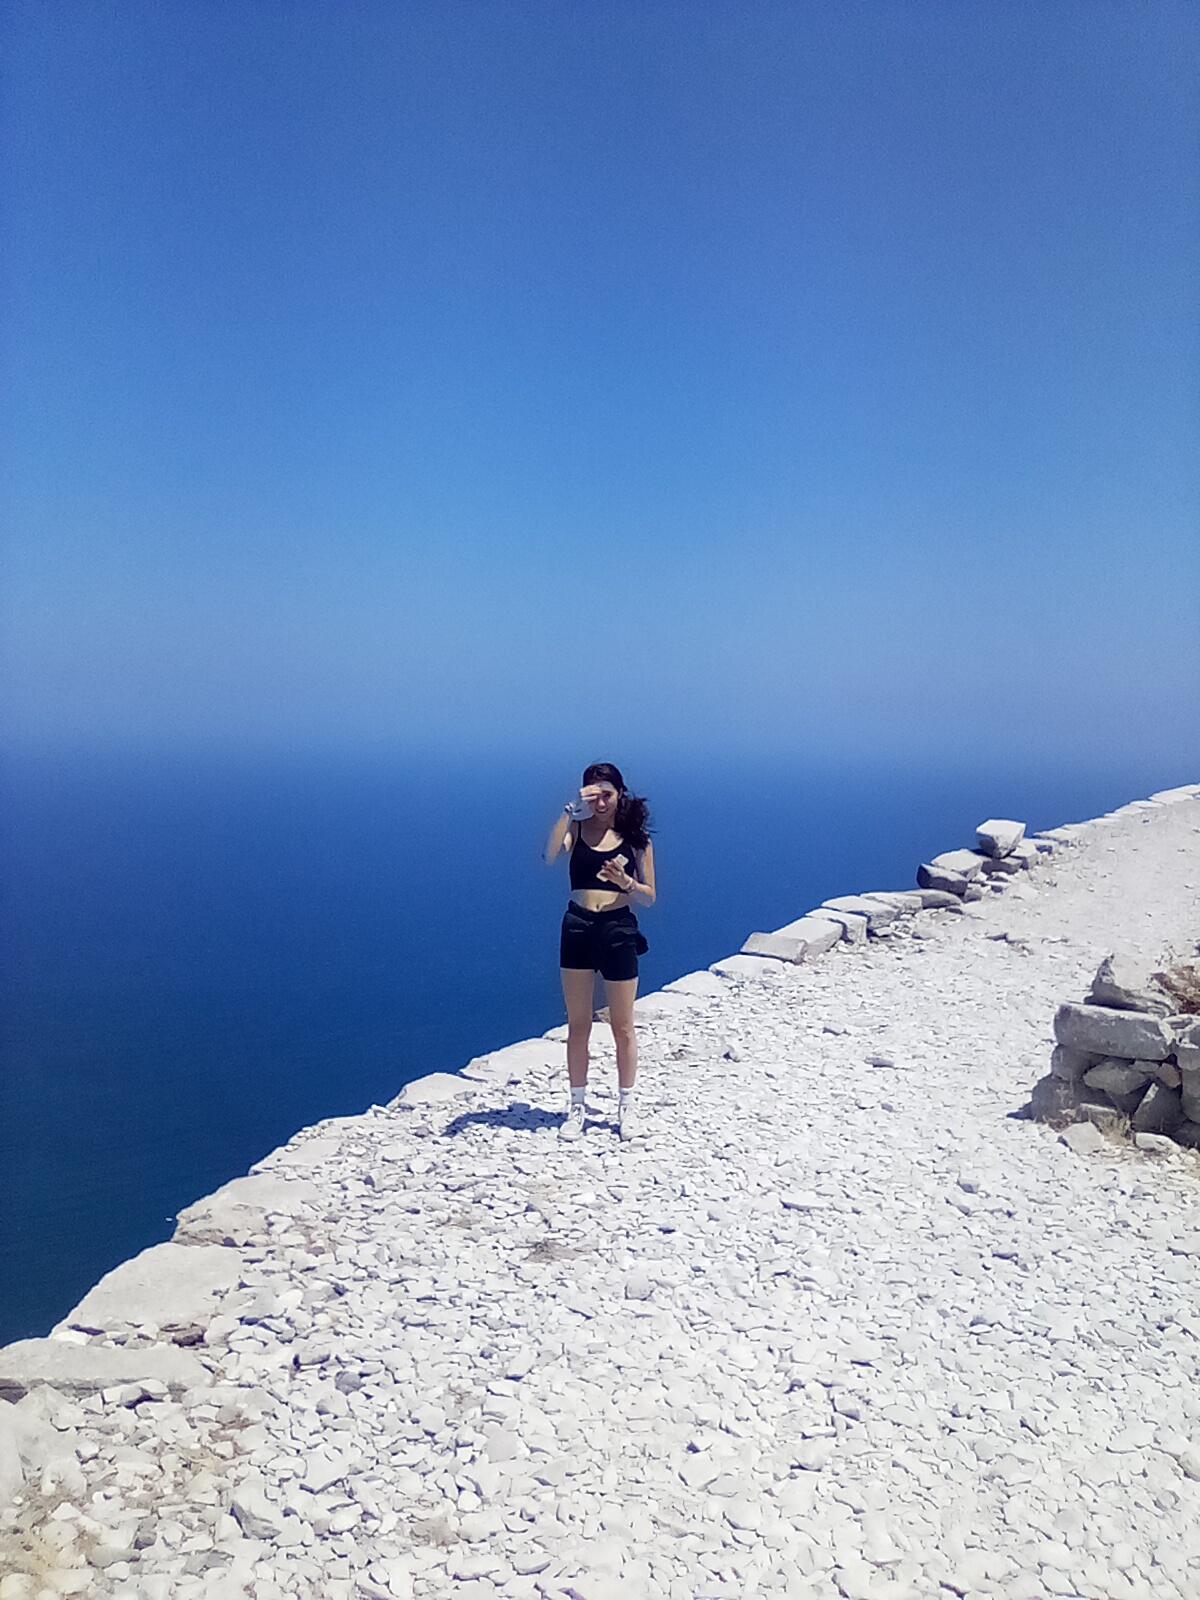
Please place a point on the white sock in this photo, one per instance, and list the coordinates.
(577, 1094)
(624, 1098)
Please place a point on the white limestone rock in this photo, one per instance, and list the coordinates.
(813, 1455)
(1004, 866)
(1117, 1076)
(818, 933)
(323, 1469)
(516, 1062)
(313, 1155)
(238, 1211)
(661, 1004)
(854, 927)
(703, 984)
(12, 1470)
(1029, 852)
(946, 880)
(942, 899)
(747, 967)
(436, 1088)
(1135, 1035)
(1071, 1065)
(257, 1515)
(171, 1287)
(30, 1447)
(778, 946)
(967, 863)
(1127, 984)
(1155, 1144)
(1084, 1138)
(1187, 1060)
(999, 837)
(81, 1370)
(904, 901)
(1159, 1111)
(878, 913)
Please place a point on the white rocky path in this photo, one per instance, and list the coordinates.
(833, 1329)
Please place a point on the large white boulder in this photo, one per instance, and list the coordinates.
(968, 863)
(739, 966)
(307, 1155)
(1187, 1055)
(83, 1369)
(1127, 984)
(999, 837)
(1135, 1035)
(697, 983)
(172, 1287)
(238, 1211)
(1160, 1111)
(30, 1444)
(819, 934)
(661, 1004)
(853, 925)
(904, 901)
(877, 912)
(514, 1062)
(779, 946)
(1116, 1076)
(434, 1089)
(944, 879)
(941, 899)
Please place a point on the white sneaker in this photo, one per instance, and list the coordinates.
(629, 1124)
(572, 1127)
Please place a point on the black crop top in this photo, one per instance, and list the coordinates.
(586, 863)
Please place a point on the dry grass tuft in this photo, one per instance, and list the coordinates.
(1182, 983)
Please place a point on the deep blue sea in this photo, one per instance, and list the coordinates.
(203, 953)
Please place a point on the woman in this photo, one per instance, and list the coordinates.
(612, 870)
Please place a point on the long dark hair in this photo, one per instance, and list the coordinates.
(633, 812)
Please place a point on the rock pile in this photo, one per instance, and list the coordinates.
(1002, 851)
(1125, 1060)
(944, 883)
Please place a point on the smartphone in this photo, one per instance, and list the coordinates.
(581, 811)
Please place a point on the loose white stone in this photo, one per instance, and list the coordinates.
(812, 1454)
(502, 1445)
(1084, 1139)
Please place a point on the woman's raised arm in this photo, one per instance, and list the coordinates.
(561, 838)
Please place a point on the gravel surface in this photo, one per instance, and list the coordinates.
(841, 1324)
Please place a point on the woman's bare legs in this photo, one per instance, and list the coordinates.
(620, 1016)
(579, 992)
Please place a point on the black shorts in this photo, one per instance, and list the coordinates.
(607, 942)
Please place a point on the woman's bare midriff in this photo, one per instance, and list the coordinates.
(596, 900)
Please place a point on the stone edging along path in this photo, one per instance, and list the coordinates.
(845, 1325)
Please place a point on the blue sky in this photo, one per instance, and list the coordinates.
(750, 376)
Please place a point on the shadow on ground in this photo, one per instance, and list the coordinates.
(522, 1118)
(518, 1116)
